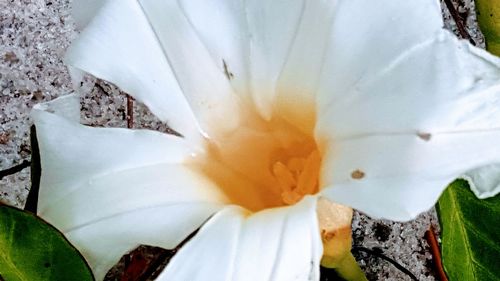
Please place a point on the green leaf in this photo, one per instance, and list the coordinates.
(470, 230)
(488, 15)
(33, 250)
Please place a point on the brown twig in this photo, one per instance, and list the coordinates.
(430, 236)
(130, 112)
(462, 30)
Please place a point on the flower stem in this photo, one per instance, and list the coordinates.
(348, 269)
(461, 26)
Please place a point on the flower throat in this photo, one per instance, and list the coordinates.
(265, 164)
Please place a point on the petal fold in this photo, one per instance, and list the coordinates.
(484, 181)
(276, 244)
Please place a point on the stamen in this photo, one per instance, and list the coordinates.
(284, 177)
(298, 178)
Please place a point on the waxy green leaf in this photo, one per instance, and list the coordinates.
(470, 230)
(488, 15)
(33, 250)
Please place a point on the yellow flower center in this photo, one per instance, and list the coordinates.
(265, 164)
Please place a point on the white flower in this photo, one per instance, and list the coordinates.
(367, 103)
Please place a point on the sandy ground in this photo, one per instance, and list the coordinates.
(33, 38)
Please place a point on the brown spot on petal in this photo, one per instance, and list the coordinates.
(425, 136)
(357, 174)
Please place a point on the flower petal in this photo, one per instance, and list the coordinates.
(127, 191)
(484, 181)
(394, 198)
(221, 27)
(67, 106)
(404, 173)
(265, 45)
(275, 244)
(404, 122)
(202, 79)
(367, 36)
(249, 39)
(158, 206)
(273, 26)
(120, 46)
(110, 190)
(72, 153)
(298, 81)
(442, 85)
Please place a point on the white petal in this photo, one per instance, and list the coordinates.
(121, 192)
(421, 112)
(366, 36)
(105, 241)
(255, 39)
(222, 28)
(202, 79)
(442, 85)
(276, 244)
(484, 181)
(272, 26)
(120, 46)
(110, 190)
(72, 153)
(158, 205)
(77, 76)
(298, 81)
(394, 198)
(67, 106)
(399, 176)
(84, 10)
